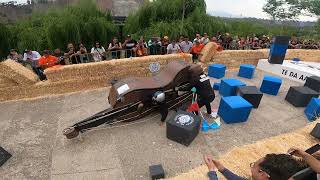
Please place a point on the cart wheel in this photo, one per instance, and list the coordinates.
(70, 132)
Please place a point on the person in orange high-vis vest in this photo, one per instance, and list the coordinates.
(196, 50)
(47, 60)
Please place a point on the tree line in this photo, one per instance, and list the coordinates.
(85, 23)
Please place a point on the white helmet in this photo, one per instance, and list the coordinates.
(159, 96)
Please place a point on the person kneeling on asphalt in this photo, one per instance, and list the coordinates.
(270, 167)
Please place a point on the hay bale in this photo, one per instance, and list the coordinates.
(208, 52)
(6, 82)
(239, 158)
(18, 73)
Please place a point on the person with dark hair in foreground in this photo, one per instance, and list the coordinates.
(310, 159)
(270, 167)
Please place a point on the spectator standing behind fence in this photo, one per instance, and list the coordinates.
(205, 39)
(198, 38)
(71, 53)
(82, 53)
(82, 49)
(173, 48)
(98, 52)
(196, 50)
(115, 47)
(186, 45)
(128, 45)
(15, 56)
(140, 49)
(256, 44)
(57, 53)
(154, 45)
(227, 40)
(241, 43)
(164, 44)
(214, 39)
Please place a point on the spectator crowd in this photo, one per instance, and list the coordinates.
(137, 48)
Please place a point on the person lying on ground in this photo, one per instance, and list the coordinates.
(270, 167)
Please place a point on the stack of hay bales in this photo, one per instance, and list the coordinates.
(233, 59)
(108, 70)
(16, 72)
(239, 158)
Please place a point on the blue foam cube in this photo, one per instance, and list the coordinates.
(228, 87)
(271, 85)
(312, 111)
(217, 71)
(246, 71)
(216, 86)
(234, 109)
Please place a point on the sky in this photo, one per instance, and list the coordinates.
(231, 8)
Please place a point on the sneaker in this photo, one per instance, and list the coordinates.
(213, 115)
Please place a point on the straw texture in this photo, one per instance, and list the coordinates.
(17, 73)
(239, 158)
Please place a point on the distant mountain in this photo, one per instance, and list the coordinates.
(228, 16)
(223, 14)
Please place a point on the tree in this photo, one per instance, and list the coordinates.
(281, 10)
(289, 9)
(191, 5)
(4, 43)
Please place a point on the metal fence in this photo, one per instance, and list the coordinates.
(109, 55)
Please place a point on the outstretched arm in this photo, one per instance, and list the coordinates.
(225, 172)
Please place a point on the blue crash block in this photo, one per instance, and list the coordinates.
(313, 109)
(246, 71)
(216, 86)
(228, 87)
(271, 85)
(217, 71)
(234, 109)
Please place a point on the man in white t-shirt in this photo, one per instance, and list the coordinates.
(198, 38)
(32, 57)
(205, 39)
(186, 45)
(173, 48)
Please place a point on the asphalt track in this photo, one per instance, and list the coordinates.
(31, 131)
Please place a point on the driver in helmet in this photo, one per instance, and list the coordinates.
(159, 98)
